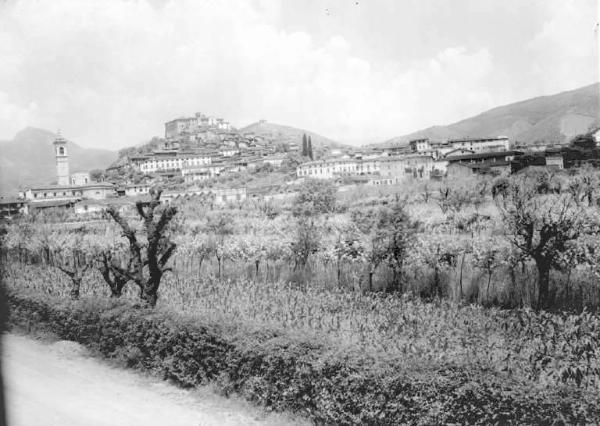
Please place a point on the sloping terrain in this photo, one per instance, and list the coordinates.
(28, 159)
(556, 118)
(288, 134)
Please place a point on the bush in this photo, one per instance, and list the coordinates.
(297, 373)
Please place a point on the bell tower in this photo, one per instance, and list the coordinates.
(62, 160)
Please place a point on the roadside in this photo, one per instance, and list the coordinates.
(60, 384)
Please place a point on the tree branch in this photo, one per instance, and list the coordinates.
(140, 209)
(166, 255)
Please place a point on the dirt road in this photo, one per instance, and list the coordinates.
(60, 384)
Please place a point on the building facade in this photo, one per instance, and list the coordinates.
(96, 191)
(402, 167)
(82, 178)
(329, 169)
(439, 150)
(171, 161)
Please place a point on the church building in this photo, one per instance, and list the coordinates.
(69, 188)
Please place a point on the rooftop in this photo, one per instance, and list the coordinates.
(482, 155)
(72, 187)
(11, 200)
(51, 203)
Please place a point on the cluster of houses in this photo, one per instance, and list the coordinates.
(77, 192)
(201, 147)
(424, 159)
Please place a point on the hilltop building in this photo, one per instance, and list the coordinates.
(190, 125)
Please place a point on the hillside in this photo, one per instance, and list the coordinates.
(281, 133)
(556, 118)
(28, 159)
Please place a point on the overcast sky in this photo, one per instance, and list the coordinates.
(110, 73)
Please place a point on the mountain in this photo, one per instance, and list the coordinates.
(556, 118)
(281, 133)
(28, 159)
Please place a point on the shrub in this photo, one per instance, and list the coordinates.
(301, 373)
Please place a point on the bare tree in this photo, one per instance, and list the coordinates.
(453, 200)
(540, 226)
(584, 186)
(114, 275)
(75, 268)
(71, 259)
(147, 264)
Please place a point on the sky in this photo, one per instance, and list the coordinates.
(110, 73)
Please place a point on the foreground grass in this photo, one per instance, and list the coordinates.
(339, 357)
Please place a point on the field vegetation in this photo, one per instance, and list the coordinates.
(494, 279)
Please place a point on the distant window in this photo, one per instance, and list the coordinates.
(35, 195)
(61, 150)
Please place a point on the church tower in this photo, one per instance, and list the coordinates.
(62, 160)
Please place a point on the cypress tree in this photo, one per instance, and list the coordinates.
(304, 145)
(309, 148)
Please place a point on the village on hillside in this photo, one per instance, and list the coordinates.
(206, 158)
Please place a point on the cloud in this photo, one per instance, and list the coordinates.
(111, 73)
(564, 52)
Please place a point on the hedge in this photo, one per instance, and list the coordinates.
(296, 373)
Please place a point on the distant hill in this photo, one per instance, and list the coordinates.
(28, 159)
(288, 134)
(556, 118)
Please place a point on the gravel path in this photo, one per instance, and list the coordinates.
(60, 384)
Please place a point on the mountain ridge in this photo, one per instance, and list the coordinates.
(549, 118)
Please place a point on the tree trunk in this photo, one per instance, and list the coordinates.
(149, 293)
(115, 292)
(567, 287)
(75, 287)
(543, 267)
(437, 290)
(149, 298)
(200, 265)
(460, 281)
